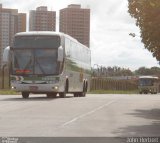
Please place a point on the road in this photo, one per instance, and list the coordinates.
(91, 116)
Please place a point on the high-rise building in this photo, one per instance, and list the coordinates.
(42, 20)
(75, 21)
(11, 22)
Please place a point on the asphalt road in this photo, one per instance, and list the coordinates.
(90, 116)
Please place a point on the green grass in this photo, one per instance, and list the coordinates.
(11, 92)
(8, 92)
(113, 92)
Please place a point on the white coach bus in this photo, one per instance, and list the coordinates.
(48, 63)
(148, 84)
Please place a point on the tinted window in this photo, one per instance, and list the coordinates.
(36, 42)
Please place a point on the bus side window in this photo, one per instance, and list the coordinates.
(73, 50)
(79, 51)
(67, 47)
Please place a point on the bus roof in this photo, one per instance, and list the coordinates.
(149, 77)
(43, 33)
(30, 33)
(47, 33)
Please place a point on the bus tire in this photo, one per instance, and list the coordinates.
(76, 94)
(25, 95)
(51, 95)
(83, 93)
(63, 94)
(86, 86)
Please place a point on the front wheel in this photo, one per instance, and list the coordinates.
(63, 94)
(51, 95)
(25, 95)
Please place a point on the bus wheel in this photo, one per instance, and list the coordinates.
(75, 94)
(86, 86)
(25, 94)
(83, 93)
(63, 94)
(51, 95)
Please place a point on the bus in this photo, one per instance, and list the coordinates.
(48, 63)
(148, 84)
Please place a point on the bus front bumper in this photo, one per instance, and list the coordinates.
(36, 88)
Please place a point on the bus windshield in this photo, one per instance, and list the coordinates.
(146, 82)
(34, 61)
(37, 42)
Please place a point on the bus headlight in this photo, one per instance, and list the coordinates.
(13, 87)
(55, 87)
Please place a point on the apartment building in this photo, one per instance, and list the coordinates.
(11, 22)
(75, 21)
(42, 20)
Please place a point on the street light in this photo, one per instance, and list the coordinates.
(132, 34)
(96, 70)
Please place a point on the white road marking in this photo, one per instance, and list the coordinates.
(88, 113)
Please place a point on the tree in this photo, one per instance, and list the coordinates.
(143, 71)
(147, 15)
(148, 71)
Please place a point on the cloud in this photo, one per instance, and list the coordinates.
(110, 27)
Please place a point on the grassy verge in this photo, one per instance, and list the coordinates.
(8, 92)
(113, 92)
(11, 92)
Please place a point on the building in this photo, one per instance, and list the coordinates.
(11, 22)
(75, 21)
(42, 20)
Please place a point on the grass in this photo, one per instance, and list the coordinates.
(113, 92)
(8, 92)
(11, 92)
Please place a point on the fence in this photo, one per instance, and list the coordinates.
(112, 84)
(4, 79)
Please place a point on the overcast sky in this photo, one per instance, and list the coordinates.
(111, 24)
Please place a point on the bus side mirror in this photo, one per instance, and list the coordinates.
(60, 54)
(5, 59)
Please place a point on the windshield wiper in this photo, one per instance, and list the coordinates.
(36, 61)
(16, 62)
(28, 63)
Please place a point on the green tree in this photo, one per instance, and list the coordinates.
(155, 71)
(148, 71)
(147, 15)
(143, 71)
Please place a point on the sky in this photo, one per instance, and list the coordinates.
(111, 24)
